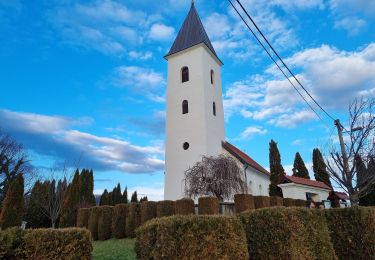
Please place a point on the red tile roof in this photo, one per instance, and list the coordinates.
(307, 182)
(243, 157)
(342, 195)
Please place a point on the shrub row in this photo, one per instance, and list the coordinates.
(191, 237)
(261, 202)
(119, 220)
(208, 206)
(243, 202)
(276, 201)
(165, 208)
(105, 222)
(185, 207)
(148, 211)
(43, 244)
(83, 217)
(93, 222)
(133, 219)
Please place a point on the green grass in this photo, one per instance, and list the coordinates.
(114, 249)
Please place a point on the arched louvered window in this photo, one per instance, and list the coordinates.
(214, 108)
(185, 107)
(212, 77)
(184, 74)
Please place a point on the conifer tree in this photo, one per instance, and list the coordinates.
(116, 195)
(125, 196)
(12, 211)
(104, 199)
(87, 198)
(320, 168)
(35, 217)
(134, 197)
(143, 199)
(299, 168)
(71, 202)
(276, 170)
(369, 198)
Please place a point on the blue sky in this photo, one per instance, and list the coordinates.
(83, 82)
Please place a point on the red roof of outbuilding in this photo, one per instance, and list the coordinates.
(307, 182)
(342, 195)
(243, 157)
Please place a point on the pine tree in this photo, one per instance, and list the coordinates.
(116, 195)
(12, 211)
(35, 215)
(71, 202)
(276, 170)
(125, 196)
(143, 199)
(87, 198)
(134, 197)
(299, 168)
(104, 199)
(320, 168)
(91, 182)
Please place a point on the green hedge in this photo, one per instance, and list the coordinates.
(352, 232)
(119, 220)
(243, 202)
(105, 222)
(148, 210)
(185, 206)
(261, 202)
(276, 201)
(83, 217)
(11, 240)
(300, 203)
(287, 233)
(93, 222)
(191, 237)
(133, 220)
(288, 202)
(208, 206)
(165, 208)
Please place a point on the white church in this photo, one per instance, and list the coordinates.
(194, 111)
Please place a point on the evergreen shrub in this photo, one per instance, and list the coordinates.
(119, 220)
(261, 202)
(105, 222)
(185, 206)
(287, 233)
(83, 217)
(191, 237)
(148, 210)
(165, 208)
(133, 219)
(288, 202)
(93, 222)
(243, 202)
(208, 206)
(276, 201)
(300, 203)
(11, 240)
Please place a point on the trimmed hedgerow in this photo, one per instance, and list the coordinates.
(243, 202)
(105, 222)
(208, 206)
(287, 233)
(119, 220)
(93, 222)
(261, 202)
(133, 219)
(69, 243)
(191, 237)
(276, 201)
(11, 240)
(288, 202)
(352, 232)
(300, 203)
(165, 208)
(83, 217)
(185, 206)
(148, 210)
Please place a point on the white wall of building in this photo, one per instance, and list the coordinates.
(257, 182)
(298, 191)
(200, 128)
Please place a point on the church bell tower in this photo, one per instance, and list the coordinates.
(194, 113)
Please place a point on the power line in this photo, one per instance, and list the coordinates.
(278, 66)
(268, 43)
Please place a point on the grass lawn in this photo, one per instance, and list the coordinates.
(114, 249)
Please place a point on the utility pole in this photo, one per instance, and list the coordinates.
(343, 151)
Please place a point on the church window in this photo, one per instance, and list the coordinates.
(184, 74)
(214, 108)
(185, 146)
(185, 107)
(212, 77)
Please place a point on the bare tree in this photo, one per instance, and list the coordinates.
(218, 176)
(359, 143)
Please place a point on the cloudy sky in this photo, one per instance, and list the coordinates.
(83, 82)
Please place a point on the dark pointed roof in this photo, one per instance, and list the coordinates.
(191, 33)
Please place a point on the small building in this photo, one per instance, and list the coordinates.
(300, 188)
(339, 199)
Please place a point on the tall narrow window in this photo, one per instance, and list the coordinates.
(214, 108)
(185, 107)
(212, 77)
(185, 74)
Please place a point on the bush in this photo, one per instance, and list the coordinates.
(300, 203)
(261, 202)
(83, 217)
(208, 206)
(288, 202)
(70, 243)
(133, 220)
(352, 232)
(148, 210)
(191, 237)
(11, 240)
(119, 220)
(287, 233)
(165, 208)
(185, 207)
(105, 223)
(93, 222)
(243, 202)
(276, 201)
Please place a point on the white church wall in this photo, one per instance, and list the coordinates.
(258, 182)
(297, 191)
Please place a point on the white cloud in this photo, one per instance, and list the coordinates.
(161, 32)
(155, 192)
(252, 131)
(140, 55)
(218, 25)
(294, 119)
(138, 77)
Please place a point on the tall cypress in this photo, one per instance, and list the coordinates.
(134, 197)
(320, 168)
(12, 211)
(71, 202)
(125, 196)
(276, 170)
(104, 199)
(35, 215)
(299, 167)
